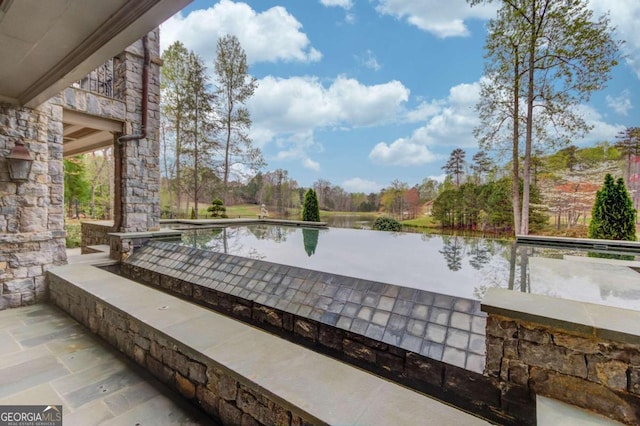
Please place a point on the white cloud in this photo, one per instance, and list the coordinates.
(241, 172)
(402, 152)
(287, 111)
(440, 18)
(361, 185)
(269, 36)
(424, 111)
(449, 122)
(620, 104)
(625, 15)
(346, 4)
(438, 178)
(349, 17)
(298, 104)
(447, 19)
(296, 147)
(369, 60)
(310, 164)
(602, 131)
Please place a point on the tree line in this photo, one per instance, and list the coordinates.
(476, 196)
(544, 58)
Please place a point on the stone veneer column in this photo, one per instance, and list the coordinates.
(32, 236)
(137, 171)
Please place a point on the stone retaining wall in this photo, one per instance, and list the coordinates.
(94, 234)
(593, 373)
(226, 397)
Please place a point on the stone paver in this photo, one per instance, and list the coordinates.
(48, 358)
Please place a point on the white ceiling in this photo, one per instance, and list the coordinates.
(45, 45)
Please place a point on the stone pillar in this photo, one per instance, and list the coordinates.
(137, 168)
(32, 236)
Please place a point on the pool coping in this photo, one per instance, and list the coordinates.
(581, 318)
(584, 243)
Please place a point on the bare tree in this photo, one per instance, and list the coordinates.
(174, 98)
(235, 87)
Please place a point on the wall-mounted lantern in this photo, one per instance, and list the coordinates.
(20, 162)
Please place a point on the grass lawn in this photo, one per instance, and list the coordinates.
(327, 213)
(422, 222)
(72, 226)
(242, 210)
(253, 210)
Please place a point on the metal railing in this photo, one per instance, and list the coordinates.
(99, 81)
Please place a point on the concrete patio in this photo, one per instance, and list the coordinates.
(49, 358)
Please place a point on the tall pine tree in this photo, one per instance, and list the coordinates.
(174, 106)
(310, 207)
(613, 216)
(455, 165)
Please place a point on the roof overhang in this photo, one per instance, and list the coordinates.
(47, 45)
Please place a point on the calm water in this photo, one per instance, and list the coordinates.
(352, 221)
(458, 266)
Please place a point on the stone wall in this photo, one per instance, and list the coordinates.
(95, 233)
(138, 161)
(593, 373)
(123, 245)
(86, 102)
(32, 236)
(230, 399)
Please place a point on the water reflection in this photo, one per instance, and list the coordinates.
(351, 221)
(202, 238)
(454, 265)
(310, 238)
(275, 233)
(480, 252)
(453, 252)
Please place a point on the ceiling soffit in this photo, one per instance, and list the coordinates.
(47, 45)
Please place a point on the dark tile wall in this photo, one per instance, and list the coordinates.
(441, 327)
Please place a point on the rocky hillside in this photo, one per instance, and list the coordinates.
(569, 192)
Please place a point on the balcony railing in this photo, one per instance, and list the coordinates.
(99, 81)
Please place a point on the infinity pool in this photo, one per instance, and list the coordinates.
(453, 265)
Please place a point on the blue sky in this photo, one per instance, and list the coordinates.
(362, 92)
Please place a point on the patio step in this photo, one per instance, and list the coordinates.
(233, 370)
